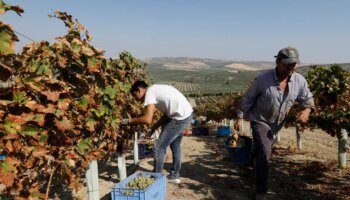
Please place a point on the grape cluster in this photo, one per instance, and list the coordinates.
(140, 182)
(236, 141)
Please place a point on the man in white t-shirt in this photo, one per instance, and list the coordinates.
(177, 116)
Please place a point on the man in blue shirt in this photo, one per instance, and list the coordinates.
(267, 103)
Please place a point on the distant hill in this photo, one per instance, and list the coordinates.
(204, 76)
(194, 64)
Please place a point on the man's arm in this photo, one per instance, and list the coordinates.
(305, 97)
(155, 126)
(250, 98)
(307, 102)
(147, 117)
(160, 122)
(248, 101)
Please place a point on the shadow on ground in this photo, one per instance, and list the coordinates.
(305, 179)
(215, 176)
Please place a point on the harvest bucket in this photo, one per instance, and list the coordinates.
(240, 155)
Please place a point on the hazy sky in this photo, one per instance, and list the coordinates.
(245, 30)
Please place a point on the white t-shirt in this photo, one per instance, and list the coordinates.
(168, 100)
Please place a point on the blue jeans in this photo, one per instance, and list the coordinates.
(172, 133)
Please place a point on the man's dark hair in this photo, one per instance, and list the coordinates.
(138, 84)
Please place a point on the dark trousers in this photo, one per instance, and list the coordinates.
(262, 146)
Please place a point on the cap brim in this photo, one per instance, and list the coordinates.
(288, 61)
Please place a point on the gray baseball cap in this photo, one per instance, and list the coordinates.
(288, 55)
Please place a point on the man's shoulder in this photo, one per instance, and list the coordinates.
(265, 75)
(159, 87)
(152, 87)
(298, 77)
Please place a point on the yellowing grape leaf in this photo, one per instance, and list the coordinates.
(39, 152)
(83, 103)
(90, 124)
(7, 39)
(19, 120)
(40, 119)
(83, 145)
(8, 164)
(9, 146)
(63, 104)
(7, 179)
(94, 64)
(64, 124)
(52, 96)
(88, 51)
(5, 7)
(31, 131)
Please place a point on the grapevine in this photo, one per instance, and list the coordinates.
(63, 109)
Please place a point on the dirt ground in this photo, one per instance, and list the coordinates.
(208, 173)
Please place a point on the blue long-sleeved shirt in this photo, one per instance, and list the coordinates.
(265, 103)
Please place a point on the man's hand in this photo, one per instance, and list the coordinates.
(125, 121)
(149, 133)
(303, 116)
(238, 124)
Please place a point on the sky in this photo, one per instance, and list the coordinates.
(238, 30)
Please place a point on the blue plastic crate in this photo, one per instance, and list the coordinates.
(223, 131)
(156, 191)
